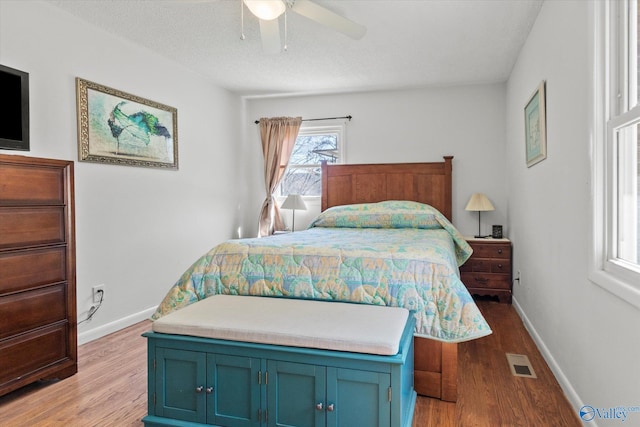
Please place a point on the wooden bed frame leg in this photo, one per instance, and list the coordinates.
(449, 372)
(436, 369)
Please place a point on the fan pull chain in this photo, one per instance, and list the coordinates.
(242, 37)
(285, 30)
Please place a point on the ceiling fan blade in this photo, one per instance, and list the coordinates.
(328, 18)
(270, 33)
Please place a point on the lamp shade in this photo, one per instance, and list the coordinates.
(294, 201)
(266, 9)
(479, 202)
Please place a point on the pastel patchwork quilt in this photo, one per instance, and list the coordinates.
(393, 253)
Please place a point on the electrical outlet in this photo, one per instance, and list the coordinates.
(98, 293)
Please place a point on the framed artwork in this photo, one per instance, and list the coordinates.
(535, 126)
(115, 127)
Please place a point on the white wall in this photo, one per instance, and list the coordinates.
(137, 229)
(412, 126)
(589, 336)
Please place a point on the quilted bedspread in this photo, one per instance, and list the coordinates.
(390, 253)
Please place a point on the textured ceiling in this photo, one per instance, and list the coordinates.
(409, 43)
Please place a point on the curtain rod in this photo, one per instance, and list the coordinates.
(324, 118)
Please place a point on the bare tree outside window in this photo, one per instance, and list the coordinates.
(303, 175)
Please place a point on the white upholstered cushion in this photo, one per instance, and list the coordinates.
(299, 323)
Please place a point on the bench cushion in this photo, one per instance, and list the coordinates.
(327, 325)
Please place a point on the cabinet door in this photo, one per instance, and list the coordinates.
(233, 390)
(296, 394)
(180, 384)
(358, 398)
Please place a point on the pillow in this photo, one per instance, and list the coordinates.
(388, 214)
(393, 214)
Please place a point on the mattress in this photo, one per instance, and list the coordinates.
(337, 326)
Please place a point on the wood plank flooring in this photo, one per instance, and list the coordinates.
(488, 394)
(110, 386)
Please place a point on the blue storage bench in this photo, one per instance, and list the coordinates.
(256, 361)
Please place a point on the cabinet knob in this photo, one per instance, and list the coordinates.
(199, 389)
(500, 266)
(499, 251)
(330, 407)
(209, 390)
(319, 406)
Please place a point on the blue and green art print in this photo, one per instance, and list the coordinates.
(121, 128)
(535, 127)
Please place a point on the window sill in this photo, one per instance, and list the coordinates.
(614, 284)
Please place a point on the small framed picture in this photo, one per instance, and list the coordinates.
(535, 126)
(115, 127)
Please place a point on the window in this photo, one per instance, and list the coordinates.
(313, 145)
(616, 157)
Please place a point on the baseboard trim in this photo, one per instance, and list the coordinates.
(573, 397)
(101, 331)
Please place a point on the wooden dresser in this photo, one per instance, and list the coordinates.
(38, 331)
(488, 271)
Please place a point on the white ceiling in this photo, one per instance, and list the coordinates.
(409, 43)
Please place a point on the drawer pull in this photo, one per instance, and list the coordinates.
(500, 251)
(319, 406)
(481, 280)
(500, 266)
(199, 389)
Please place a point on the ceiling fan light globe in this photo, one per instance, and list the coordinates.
(266, 9)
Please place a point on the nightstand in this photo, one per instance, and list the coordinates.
(488, 271)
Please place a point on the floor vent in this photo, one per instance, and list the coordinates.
(520, 365)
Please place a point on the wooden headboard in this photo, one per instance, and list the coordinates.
(428, 183)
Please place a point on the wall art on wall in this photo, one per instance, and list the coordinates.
(535, 126)
(115, 127)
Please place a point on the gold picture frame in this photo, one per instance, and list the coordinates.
(115, 127)
(535, 126)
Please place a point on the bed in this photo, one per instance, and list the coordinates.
(384, 237)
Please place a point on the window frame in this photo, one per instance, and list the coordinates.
(315, 129)
(612, 109)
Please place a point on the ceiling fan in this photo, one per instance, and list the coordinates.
(268, 12)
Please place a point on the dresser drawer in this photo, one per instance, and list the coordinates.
(32, 309)
(501, 266)
(491, 250)
(23, 270)
(486, 265)
(477, 265)
(29, 353)
(481, 280)
(24, 227)
(23, 184)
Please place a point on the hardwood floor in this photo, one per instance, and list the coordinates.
(110, 386)
(488, 394)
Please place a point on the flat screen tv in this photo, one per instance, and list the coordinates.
(14, 109)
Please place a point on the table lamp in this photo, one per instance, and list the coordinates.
(294, 201)
(479, 202)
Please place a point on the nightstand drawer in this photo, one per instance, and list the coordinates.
(487, 266)
(491, 250)
(477, 266)
(480, 280)
(501, 266)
